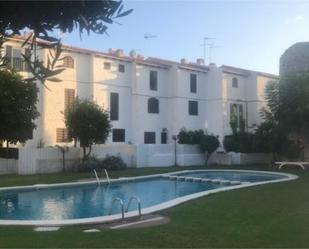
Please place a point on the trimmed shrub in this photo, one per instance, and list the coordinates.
(190, 136)
(240, 142)
(113, 163)
(108, 163)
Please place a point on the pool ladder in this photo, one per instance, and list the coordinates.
(121, 203)
(97, 177)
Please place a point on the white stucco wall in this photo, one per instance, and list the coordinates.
(91, 80)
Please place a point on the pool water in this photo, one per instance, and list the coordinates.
(92, 200)
(234, 176)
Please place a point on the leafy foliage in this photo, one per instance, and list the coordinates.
(293, 110)
(87, 123)
(240, 142)
(18, 110)
(44, 17)
(272, 135)
(108, 163)
(190, 136)
(207, 143)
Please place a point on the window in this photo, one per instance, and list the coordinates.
(193, 108)
(121, 68)
(107, 65)
(163, 138)
(28, 55)
(15, 59)
(153, 105)
(153, 80)
(236, 116)
(119, 135)
(193, 83)
(114, 106)
(235, 82)
(68, 62)
(69, 97)
(62, 135)
(149, 137)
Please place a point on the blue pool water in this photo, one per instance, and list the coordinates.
(91, 200)
(234, 176)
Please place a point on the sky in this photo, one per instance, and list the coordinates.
(248, 34)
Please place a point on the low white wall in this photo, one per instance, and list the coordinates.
(240, 158)
(126, 151)
(46, 160)
(188, 155)
(155, 155)
(8, 166)
(49, 160)
(220, 158)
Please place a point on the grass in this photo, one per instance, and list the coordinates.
(274, 215)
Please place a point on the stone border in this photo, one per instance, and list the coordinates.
(148, 210)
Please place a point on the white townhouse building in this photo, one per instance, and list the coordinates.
(149, 99)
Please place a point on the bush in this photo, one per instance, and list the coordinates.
(108, 163)
(190, 137)
(240, 142)
(113, 163)
(209, 144)
(90, 164)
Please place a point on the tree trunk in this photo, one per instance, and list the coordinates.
(7, 149)
(84, 154)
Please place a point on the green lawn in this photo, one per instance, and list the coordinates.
(274, 215)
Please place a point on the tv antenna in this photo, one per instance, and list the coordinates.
(211, 46)
(149, 36)
(205, 44)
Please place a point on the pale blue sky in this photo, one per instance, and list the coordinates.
(252, 34)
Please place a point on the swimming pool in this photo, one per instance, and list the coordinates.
(232, 175)
(81, 203)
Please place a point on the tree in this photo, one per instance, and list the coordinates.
(209, 144)
(87, 123)
(293, 109)
(18, 110)
(43, 17)
(282, 116)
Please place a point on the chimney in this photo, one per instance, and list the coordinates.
(141, 57)
(111, 51)
(200, 61)
(184, 61)
(119, 52)
(133, 53)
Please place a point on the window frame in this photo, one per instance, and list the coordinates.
(235, 82)
(164, 137)
(68, 99)
(107, 65)
(191, 104)
(114, 112)
(153, 80)
(153, 105)
(63, 137)
(151, 139)
(68, 62)
(193, 83)
(121, 66)
(117, 139)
